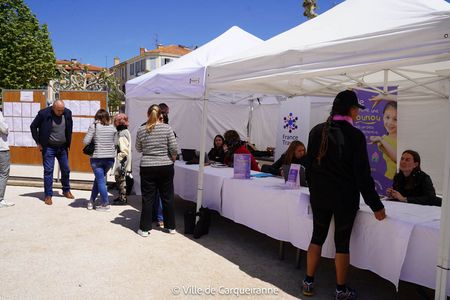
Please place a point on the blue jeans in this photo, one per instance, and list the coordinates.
(48, 158)
(157, 209)
(100, 167)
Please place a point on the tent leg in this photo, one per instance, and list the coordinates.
(444, 240)
(201, 162)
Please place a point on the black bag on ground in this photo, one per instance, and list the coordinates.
(204, 221)
(189, 221)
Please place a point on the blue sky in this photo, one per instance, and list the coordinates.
(96, 31)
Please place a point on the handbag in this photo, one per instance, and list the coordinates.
(90, 148)
(129, 182)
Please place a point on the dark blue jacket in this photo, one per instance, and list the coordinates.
(41, 126)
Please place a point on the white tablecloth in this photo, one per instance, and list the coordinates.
(186, 179)
(403, 246)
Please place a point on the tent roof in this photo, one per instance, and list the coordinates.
(184, 77)
(354, 39)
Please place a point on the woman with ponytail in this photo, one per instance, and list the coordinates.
(156, 141)
(337, 171)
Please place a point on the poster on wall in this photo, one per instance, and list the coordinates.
(293, 123)
(378, 122)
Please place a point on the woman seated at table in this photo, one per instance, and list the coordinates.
(234, 145)
(293, 155)
(217, 153)
(411, 184)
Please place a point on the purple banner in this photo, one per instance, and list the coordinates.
(378, 122)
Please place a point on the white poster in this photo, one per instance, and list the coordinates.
(26, 122)
(26, 109)
(17, 124)
(75, 107)
(17, 109)
(95, 106)
(85, 108)
(26, 96)
(76, 124)
(35, 108)
(18, 137)
(9, 121)
(85, 123)
(11, 138)
(67, 104)
(7, 109)
(293, 123)
(27, 140)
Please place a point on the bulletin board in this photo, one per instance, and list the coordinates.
(20, 107)
(84, 105)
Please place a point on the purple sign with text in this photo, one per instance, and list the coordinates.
(378, 122)
(241, 165)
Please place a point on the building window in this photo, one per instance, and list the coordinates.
(152, 64)
(131, 69)
(143, 65)
(136, 67)
(167, 60)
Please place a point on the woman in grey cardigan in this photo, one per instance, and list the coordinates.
(156, 141)
(105, 138)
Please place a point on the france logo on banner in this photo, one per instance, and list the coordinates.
(293, 123)
(378, 122)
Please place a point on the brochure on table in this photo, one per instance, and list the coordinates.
(293, 180)
(241, 166)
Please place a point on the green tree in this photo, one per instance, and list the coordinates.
(27, 59)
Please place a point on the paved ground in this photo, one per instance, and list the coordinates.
(64, 251)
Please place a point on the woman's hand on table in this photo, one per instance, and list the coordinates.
(391, 193)
(380, 214)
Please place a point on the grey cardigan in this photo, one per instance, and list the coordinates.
(105, 138)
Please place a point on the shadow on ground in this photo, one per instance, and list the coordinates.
(258, 256)
(41, 195)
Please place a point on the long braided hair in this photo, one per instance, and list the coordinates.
(339, 108)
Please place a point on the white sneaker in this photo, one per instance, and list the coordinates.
(5, 203)
(143, 233)
(103, 208)
(90, 205)
(172, 231)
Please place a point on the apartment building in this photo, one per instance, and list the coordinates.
(146, 61)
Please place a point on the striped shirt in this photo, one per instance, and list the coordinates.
(156, 146)
(105, 138)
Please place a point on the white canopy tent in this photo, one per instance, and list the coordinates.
(180, 84)
(365, 43)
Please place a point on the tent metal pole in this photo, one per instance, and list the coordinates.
(201, 163)
(442, 267)
(250, 120)
(419, 84)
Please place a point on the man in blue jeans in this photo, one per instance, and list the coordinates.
(52, 132)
